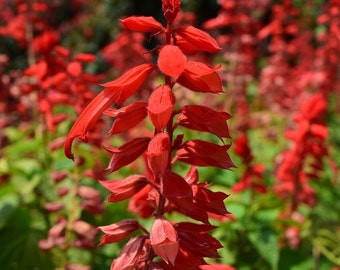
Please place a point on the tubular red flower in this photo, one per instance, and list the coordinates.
(142, 24)
(199, 77)
(164, 240)
(116, 92)
(160, 106)
(198, 38)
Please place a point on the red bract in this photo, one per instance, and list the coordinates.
(202, 153)
(127, 117)
(118, 231)
(142, 24)
(123, 189)
(198, 38)
(171, 61)
(129, 255)
(160, 106)
(202, 118)
(116, 92)
(158, 154)
(170, 9)
(164, 240)
(199, 77)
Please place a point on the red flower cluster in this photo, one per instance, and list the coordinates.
(160, 190)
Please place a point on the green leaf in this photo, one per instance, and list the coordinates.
(266, 242)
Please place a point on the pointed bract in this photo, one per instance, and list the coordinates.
(198, 38)
(142, 24)
(127, 117)
(202, 153)
(171, 61)
(124, 189)
(127, 153)
(164, 240)
(199, 77)
(160, 106)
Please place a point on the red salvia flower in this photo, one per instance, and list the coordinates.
(171, 61)
(164, 239)
(115, 92)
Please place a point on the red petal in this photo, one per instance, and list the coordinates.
(127, 153)
(164, 240)
(202, 153)
(129, 255)
(127, 117)
(171, 61)
(202, 118)
(117, 92)
(200, 78)
(160, 106)
(118, 231)
(85, 57)
(123, 189)
(216, 266)
(200, 39)
(142, 24)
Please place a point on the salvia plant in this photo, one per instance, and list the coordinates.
(160, 191)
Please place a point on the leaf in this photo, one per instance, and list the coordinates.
(266, 242)
(171, 61)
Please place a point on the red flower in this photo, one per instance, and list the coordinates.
(160, 106)
(126, 188)
(198, 38)
(118, 231)
(202, 153)
(127, 117)
(116, 92)
(142, 24)
(199, 77)
(171, 61)
(164, 240)
(202, 118)
(170, 9)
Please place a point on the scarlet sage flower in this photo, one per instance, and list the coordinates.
(171, 61)
(170, 9)
(116, 92)
(164, 240)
